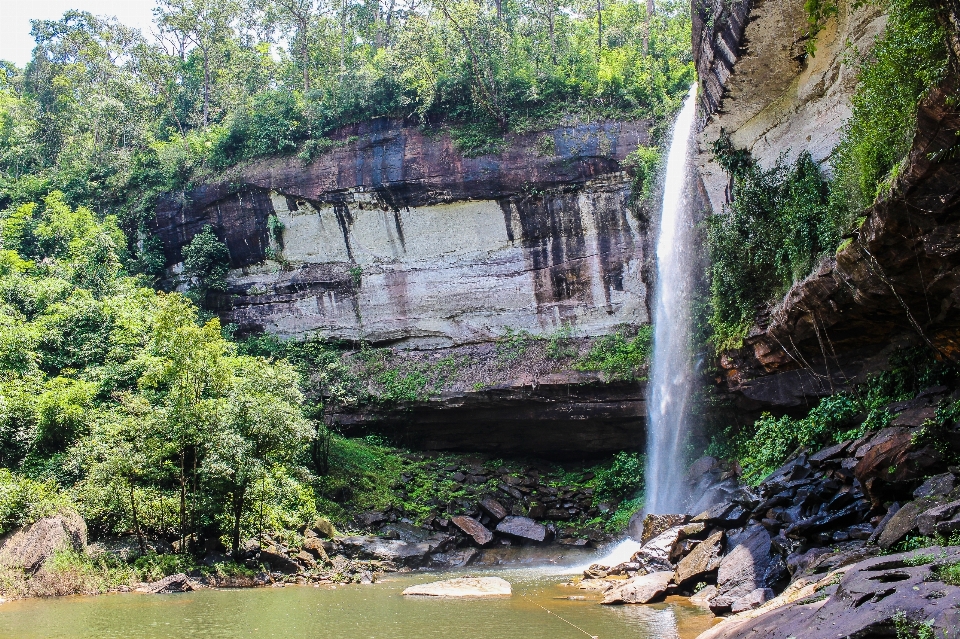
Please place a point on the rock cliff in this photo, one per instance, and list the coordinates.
(395, 238)
(895, 282)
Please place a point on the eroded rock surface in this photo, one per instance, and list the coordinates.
(30, 547)
(463, 587)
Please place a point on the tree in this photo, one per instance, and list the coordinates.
(301, 15)
(204, 24)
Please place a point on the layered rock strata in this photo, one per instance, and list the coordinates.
(394, 237)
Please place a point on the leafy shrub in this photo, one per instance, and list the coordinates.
(560, 344)
(623, 356)
(207, 258)
(774, 231)
(512, 345)
(908, 58)
(622, 479)
(24, 501)
(644, 163)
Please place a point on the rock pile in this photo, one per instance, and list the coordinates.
(500, 508)
(819, 514)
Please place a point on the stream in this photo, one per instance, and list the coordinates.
(375, 611)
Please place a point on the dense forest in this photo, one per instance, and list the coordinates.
(134, 406)
(137, 408)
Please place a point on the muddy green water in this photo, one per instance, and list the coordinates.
(375, 611)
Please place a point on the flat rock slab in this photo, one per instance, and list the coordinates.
(463, 587)
(522, 527)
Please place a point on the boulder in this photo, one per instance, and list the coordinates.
(454, 558)
(893, 463)
(749, 565)
(936, 486)
(701, 561)
(28, 548)
(901, 523)
(473, 528)
(279, 562)
(306, 559)
(644, 528)
(401, 553)
(940, 520)
(654, 556)
(522, 528)
(640, 590)
(752, 600)
(463, 587)
(493, 508)
(174, 583)
(324, 528)
(703, 596)
(314, 546)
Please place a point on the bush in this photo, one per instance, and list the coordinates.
(24, 501)
(907, 60)
(623, 356)
(622, 479)
(207, 259)
(772, 234)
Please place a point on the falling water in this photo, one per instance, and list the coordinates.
(671, 372)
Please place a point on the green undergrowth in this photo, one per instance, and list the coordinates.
(369, 475)
(783, 220)
(765, 445)
(622, 356)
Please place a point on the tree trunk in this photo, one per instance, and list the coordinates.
(136, 520)
(306, 61)
(646, 27)
(599, 28)
(206, 88)
(183, 503)
(239, 498)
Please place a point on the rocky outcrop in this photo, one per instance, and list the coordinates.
(894, 595)
(29, 548)
(394, 237)
(895, 282)
(568, 415)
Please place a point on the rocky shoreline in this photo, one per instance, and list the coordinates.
(814, 545)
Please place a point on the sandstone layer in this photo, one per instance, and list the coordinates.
(394, 237)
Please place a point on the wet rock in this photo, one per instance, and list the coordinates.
(748, 566)
(172, 584)
(654, 556)
(493, 508)
(600, 585)
(936, 486)
(371, 517)
(752, 600)
(640, 590)
(571, 541)
(697, 530)
(522, 528)
(463, 587)
(893, 463)
(703, 596)
(28, 548)
(644, 528)
(473, 528)
(454, 558)
(399, 552)
(702, 560)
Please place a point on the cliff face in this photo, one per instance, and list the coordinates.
(896, 282)
(394, 237)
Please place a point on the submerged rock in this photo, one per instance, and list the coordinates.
(463, 587)
(174, 583)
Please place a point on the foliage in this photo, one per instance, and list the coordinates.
(773, 232)
(767, 444)
(644, 164)
(118, 401)
(207, 259)
(622, 356)
(948, 573)
(513, 344)
(560, 343)
(907, 628)
(621, 516)
(622, 479)
(818, 12)
(908, 58)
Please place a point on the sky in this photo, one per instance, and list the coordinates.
(16, 44)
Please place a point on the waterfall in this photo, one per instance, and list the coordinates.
(671, 372)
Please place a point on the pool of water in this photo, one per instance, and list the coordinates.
(375, 611)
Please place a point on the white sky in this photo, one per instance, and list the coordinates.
(16, 44)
